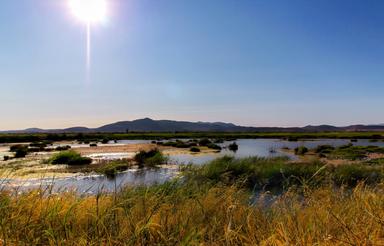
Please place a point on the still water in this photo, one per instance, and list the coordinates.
(247, 147)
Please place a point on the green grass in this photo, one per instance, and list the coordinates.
(213, 204)
(112, 168)
(349, 151)
(194, 213)
(301, 150)
(151, 158)
(378, 161)
(257, 173)
(70, 158)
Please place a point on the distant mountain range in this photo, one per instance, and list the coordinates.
(149, 125)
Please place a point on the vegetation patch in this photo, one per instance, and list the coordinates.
(20, 150)
(301, 150)
(112, 168)
(277, 172)
(70, 158)
(205, 142)
(233, 147)
(194, 149)
(151, 158)
(178, 144)
(348, 152)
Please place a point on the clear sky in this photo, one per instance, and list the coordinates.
(250, 62)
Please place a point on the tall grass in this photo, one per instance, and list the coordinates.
(179, 214)
(261, 173)
(210, 205)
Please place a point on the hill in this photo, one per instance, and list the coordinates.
(150, 125)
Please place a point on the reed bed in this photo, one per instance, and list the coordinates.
(210, 205)
(176, 214)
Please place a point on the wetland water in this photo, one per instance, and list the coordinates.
(95, 183)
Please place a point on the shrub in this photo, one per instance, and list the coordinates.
(194, 149)
(39, 145)
(292, 139)
(17, 147)
(219, 140)
(178, 144)
(21, 153)
(204, 142)
(301, 150)
(69, 158)
(233, 146)
(112, 168)
(105, 141)
(324, 149)
(157, 159)
(213, 146)
(150, 158)
(61, 148)
(34, 149)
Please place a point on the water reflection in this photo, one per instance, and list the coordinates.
(246, 147)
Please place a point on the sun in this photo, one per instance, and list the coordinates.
(89, 11)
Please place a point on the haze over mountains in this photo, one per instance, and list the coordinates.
(149, 125)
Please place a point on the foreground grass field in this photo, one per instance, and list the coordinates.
(223, 203)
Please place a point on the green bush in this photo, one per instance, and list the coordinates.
(112, 168)
(15, 148)
(301, 150)
(69, 158)
(204, 142)
(40, 145)
(150, 158)
(233, 146)
(177, 144)
(21, 153)
(61, 148)
(213, 146)
(324, 149)
(218, 141)
(194, 149)
(105, 141)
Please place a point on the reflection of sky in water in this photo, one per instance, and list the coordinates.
(93, 184)
(261, 148)
(247, 147)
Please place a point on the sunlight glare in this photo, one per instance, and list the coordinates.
(89, 11)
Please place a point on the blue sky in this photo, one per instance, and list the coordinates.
(250, 62)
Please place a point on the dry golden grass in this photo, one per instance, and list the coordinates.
(194, 214)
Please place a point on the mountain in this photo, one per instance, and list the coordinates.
(146, 124)
(323, 128)
(150, 125)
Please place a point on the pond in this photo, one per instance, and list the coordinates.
(247, 147)
(93, 184)
(266, 148)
